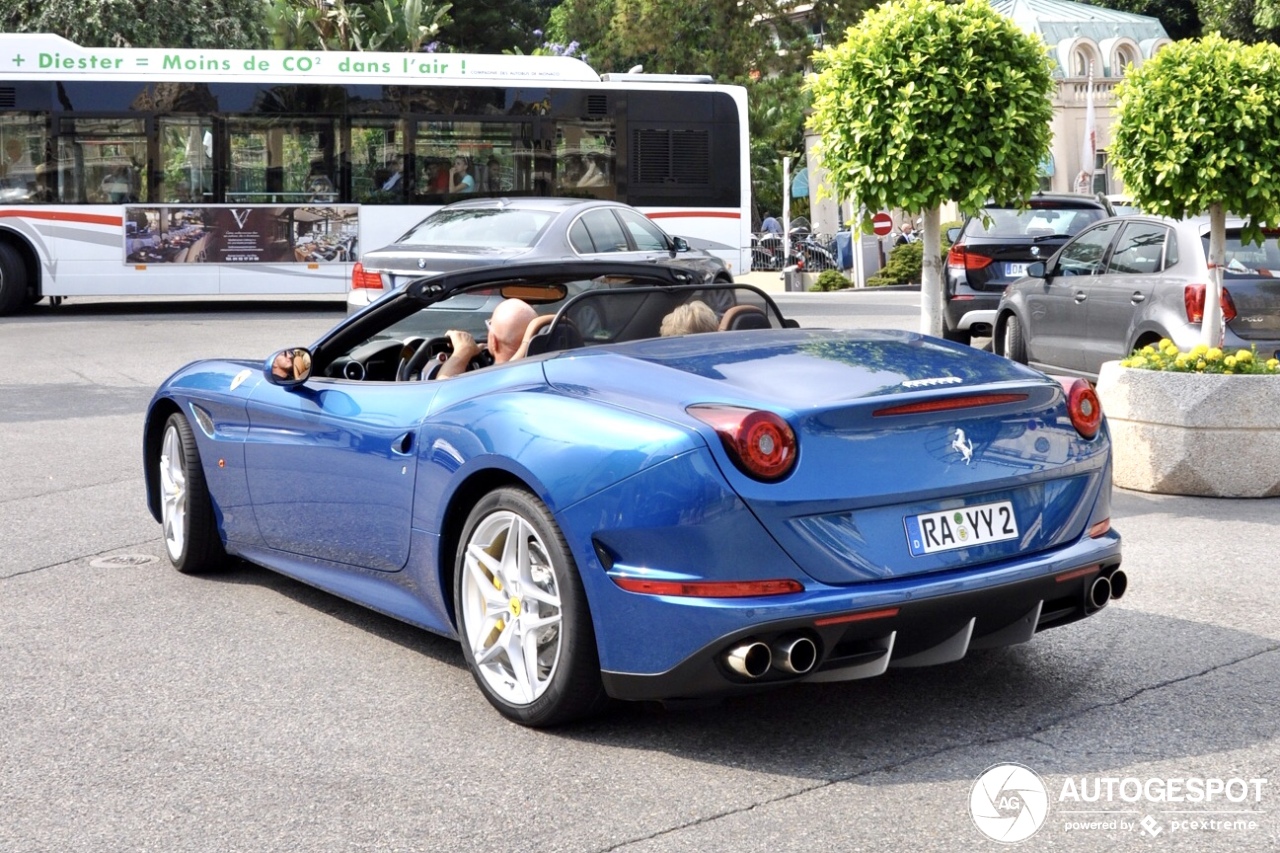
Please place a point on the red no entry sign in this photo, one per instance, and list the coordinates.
(882, 223)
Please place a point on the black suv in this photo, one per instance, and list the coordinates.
(996, 247)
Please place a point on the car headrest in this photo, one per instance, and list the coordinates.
(560, 335)
(741, 317)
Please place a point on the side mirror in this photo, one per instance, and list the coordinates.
(289, 366)
(953, 234)
(1037, 270)
(679, 244)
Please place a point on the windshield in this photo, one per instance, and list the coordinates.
(480, 228)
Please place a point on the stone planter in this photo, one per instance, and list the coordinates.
(1193, 434)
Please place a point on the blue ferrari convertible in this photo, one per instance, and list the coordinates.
(623, 512)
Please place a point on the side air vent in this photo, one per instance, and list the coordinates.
(597, 105)
(670, 157)
(8, 97)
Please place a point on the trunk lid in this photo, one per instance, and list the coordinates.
(867, 479)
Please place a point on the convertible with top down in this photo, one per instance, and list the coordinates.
(624, 515)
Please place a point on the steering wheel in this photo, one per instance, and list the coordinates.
(417, 353)
(413, 367)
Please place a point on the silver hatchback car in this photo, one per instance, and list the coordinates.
(1129, 281)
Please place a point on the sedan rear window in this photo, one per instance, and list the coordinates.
(482, 228)
(1032, 222)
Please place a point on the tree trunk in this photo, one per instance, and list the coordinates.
(1211, 327)
(931, 281)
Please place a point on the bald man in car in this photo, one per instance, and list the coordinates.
(513, 323)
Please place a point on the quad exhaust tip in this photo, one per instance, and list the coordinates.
(1099, 593)
(793, 655)
(751, 659)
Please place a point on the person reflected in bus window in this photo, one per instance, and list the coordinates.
(116, 185)
(395, 177)
(319, 184)
(18, 169)
(460, 179)
(495, 177)
(595, 175)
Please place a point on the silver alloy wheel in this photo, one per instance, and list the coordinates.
(511, 607)
(173, 492)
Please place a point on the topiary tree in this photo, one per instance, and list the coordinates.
(927, 102)
(1198, 129)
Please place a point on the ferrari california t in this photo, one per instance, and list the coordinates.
(625, 514)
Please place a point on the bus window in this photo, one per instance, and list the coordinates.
(456, 159)
(586, 159)
(186, 152)
(276, 160)
(379, 171)
(23, 175)
(102, 161)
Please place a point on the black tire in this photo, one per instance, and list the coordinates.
(1014, 346)
(13, 281)
(190, 529)
(500, 592)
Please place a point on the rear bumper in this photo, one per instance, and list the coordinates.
(859, 633)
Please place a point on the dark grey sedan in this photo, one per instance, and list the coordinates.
(1129, 281)
(489, 231)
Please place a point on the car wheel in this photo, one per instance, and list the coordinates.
(957, 335)
(13, 281)
(522, 613)
(1014, 347)
(186, 509)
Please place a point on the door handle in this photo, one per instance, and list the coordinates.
(1081, 296)
(1137, 297)
(403, 445)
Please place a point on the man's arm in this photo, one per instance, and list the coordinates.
(465, 348)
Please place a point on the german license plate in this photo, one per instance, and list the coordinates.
(1015, 270)
(966, 527)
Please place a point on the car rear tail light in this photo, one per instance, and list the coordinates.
(960, 258)
(1083, 406)
(1193, 298)
(946, 404)
(760, 443)
(710, 589)
(360, 278)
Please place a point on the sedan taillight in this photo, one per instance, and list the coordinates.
(761, 443)
(1193, 300)
(360, 278)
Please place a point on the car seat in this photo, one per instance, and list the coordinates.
(741, 317)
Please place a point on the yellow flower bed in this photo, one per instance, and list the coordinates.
(1200, 359)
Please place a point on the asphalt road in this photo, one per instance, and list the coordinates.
(144, 710)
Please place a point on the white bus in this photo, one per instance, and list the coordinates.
(233, 172)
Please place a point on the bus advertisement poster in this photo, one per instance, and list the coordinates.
(240, 234)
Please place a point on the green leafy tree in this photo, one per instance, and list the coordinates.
(1198, 129)
(776, 108)
(141, 23)
(927, 102)
(723, 38)
(1180, 18)
(392, 25)
(497, 26)
(1242, 20)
